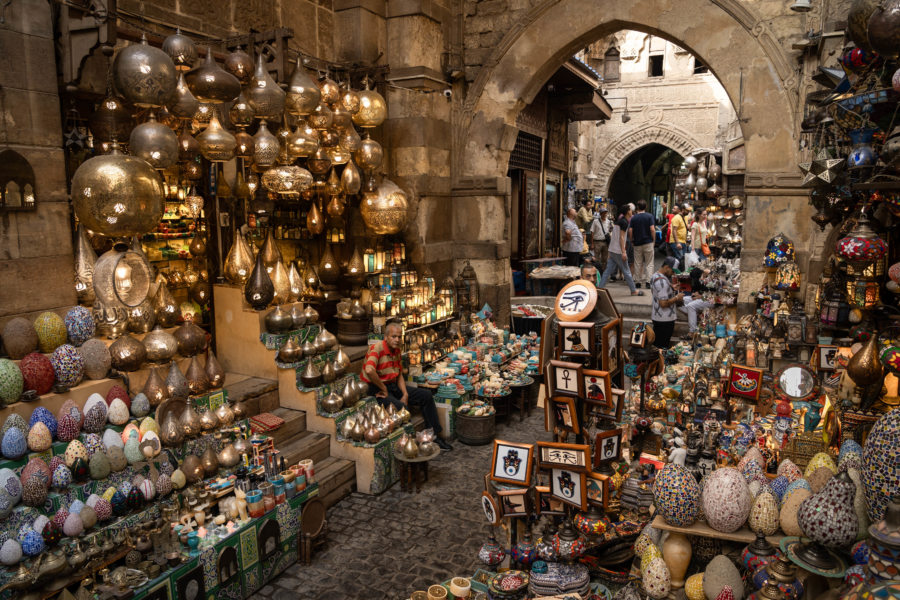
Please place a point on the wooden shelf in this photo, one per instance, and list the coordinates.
(742, 535)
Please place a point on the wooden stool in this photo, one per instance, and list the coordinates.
(312, 529)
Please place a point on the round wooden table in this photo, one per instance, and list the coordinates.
(412, 468)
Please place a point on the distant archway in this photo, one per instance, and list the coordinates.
(666, 134)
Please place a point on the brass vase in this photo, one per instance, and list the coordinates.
(198, 382)
(210, 460)
(190, 339)
(85, 257)
(864, 367)
(311, 376)
(259, 290)
(281, 283)
(214, 371)
(271, 253)
(208, 421)
(189, 421)
(264, 94)
(176, 384)
(224, 415)
(303, 94)
(239, 261)
(165, 306)
(128, 354)
(171, 434)
(155, 388)
(161, 345)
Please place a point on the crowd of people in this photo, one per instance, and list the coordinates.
(624, 247)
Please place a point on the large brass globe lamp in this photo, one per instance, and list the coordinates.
(385, 211)
(372, 108)
(144, 75)
(155, 143)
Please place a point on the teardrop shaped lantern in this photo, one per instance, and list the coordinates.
(181, 50)
(118, 195)
(217, 144)
(349, 140)
(303, 94)
(166, 308)
(281, 283)
(333, 184)
(155, 143)
(244, 145)
(296, 282)
(239, 261)
(319, 163)
(270, 252)
(314, 221)
(266, 147)
(185, 104)
(303, 141)
(85, 257)
(385, 212)
(112, 121)
(211, 83)
(241, 187)
(241, 113)
(321, 117)
(144, 75)
(355, 266)
(372, 108)
(349, 100)
(351, 182)
(259, 290)
(335, 207)
(370, 154)
(264, 95)
(239, 64)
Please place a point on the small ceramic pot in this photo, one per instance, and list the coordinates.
(290, 485)
(307, 465)
(278, 489)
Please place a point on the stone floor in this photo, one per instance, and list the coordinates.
(390, 545)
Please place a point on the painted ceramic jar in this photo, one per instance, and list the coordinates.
(676, 495)
(68, 366)
(884, 546)
(491, 553)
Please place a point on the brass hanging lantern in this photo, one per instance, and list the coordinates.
(165, 306)
(338, 156)
(351, 182)
(286, 180)
(335, 207)
(121, 277)
(372, 108)
(155, 143)
(111, 122)
(470, 279)
(241, 187)
(188, 146)
(217, 144)
(385, 212)
(241, 113)
(328, 138)
(355, 267)
(329, 272)
(223, 190)
(185, 104)
(197, 247)
(155, 388)
(281, 283)
(203, 115)
(370, 154)
(144, 75)
(295, 281)
(189, 421)
(181, 50)
(864, 368)
(303, 94)
(239, 64)
(331, 93)
(214, 371)
(239, 261)
(303, 141)
(259, 291)
(321, 117)
(194, 203)
(349, 140)
(333, 184)
(341, 117)
(264, 95)
(349, 100)
(266, 147)
(211, 83)
(244, 145)
(319, 163)
(314, 221)
(271, 253)
(85, 257)
(191, 170)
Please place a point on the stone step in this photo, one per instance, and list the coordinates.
(306, 445)
(258, 395)
(294, 425)
(336, 478)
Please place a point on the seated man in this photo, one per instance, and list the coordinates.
(695, 303)
(382, 372)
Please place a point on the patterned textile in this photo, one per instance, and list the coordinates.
(265, 422)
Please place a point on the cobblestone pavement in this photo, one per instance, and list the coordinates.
(390, 545)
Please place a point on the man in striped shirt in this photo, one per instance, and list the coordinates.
(383, 372)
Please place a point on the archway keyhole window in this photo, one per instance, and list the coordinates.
(17, 185)
(611, 62)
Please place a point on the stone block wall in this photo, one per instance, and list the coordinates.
(36, 266)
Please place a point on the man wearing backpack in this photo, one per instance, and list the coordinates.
(601, 229)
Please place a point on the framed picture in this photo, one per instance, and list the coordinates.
(569, 456)
(613, 412)
(490, 508)
(564, 379)
(612, 346)
(576, 339)
(826, 358)
(606, 304)
(568, 486)
(607, 447)
(596, 487)
(513, 503)
(576, 300)
(564, 413)
(512, 463)
(597, 388)
(639, 335)
(744, 382)
(546, 503)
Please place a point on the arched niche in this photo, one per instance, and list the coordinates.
(17, 185)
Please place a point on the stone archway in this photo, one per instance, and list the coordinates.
(664, 134)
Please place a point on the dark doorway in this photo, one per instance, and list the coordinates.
(645, 174)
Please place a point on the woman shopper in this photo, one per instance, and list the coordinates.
(618, 255)
(700, 235)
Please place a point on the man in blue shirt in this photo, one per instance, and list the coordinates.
(643, 232)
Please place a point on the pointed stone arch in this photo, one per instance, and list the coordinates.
(664, 134)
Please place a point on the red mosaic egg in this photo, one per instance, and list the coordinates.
(55, 462)
(70, 408)
(60, 517)
(37, 467)
(37, 371)
(117, 391)
(67, 429)
(103, 509)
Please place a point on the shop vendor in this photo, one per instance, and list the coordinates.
(382, 371)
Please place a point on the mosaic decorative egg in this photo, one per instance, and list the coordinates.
(788, 515)
(726, 500)
(119, 503)
(140, 405)
(92, 500)
(137, 480)
(37, 373)
(126, 432)
(67, 365)
(109, 492)
(859, 503)
(764, 514)
(70, 408)
(34, 492)
(752, 455)
(97, 359)
(133, 451)
(851, 461)
(103, 508)
(849, 446)
(62, 477)
(881, 463)
(819, 478)
(32, 543)
(11, 381)
(117, 391)
(750, 470)
(42, 415)
(150, 445)
(693, 587)
(860, 553)
(88, 517)
(721, 572)
(822, 459)
(14, 445)
(36, 467)
(148, 424)
(799, 484)
(99, 466)
(163, 485)
(855, 575)
(676, 495)
(168, 460)
(10, 552)
(10, 482)
(95, 418)
(51, 534)
(39, 438)
(19, 338)
(51, 331)
(74, 450)
(73, 525)
(117, 460)
(178, 479)
(14, 420)
(147, 489)
(650, 552)
(93, 444)
(789, 470)
(55, 461)
(75, 507)
(779, 486)
(6, 504)
(67, 429)
(112, 438)
(79, 325)
(125, 487)
(118, 413)
(80, 470)
(656, 579)
(39, 522)
(828, 516)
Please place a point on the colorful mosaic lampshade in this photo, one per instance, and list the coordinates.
(779, 250)
(788, 276)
